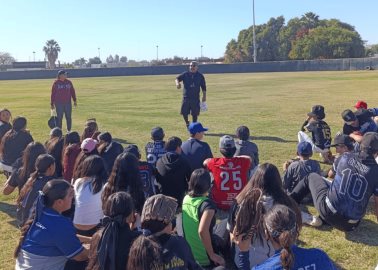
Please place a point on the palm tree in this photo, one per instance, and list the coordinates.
(51, 50)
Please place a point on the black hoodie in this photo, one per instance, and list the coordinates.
(173, 174)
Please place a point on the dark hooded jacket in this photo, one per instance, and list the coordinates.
(173, 174)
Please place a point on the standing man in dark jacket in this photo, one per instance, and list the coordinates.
(61, 93)
(193, 82)
(173, 171)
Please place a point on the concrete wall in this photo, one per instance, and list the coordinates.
(282, 66)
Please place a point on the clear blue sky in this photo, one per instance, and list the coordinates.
(135, 28)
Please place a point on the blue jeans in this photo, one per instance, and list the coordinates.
(66, 109)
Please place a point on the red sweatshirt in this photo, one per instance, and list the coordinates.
(69, 158)
(62, 91)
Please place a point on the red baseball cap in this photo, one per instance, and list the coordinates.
(361, 105)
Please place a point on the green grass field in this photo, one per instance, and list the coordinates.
(272, 105)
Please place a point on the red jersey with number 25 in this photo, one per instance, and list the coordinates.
(230, 177)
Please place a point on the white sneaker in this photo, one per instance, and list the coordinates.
(311, 220)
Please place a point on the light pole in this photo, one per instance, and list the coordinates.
(157, 53)
(99, 56)
(33, 56)
(254, 36)
(201, 52)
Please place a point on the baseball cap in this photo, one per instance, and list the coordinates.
(159, 207)
(342, 139)
(226, 142)
(318, 111)
(304, 149)
(61, 72)
(361, 105)
(157, 133)
(348, 116)
(196, 127)
(242, 133)
(88, 145)
(132, 149)
(56, 132)
(369, 142)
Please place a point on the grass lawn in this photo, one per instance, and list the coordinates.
(272, 105)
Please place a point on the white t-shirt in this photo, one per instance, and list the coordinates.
(88, 206)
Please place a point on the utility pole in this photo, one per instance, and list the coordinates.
(254, 36)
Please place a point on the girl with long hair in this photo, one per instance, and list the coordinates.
(54, 147)
(88, 189)
(262, 192)
(90, 130)
(14, 143)
(281, 229)
(48, 239)
(145, 254)
(125, 176)
(71, 149)
(88, 148)
(44, 171)
(110, 245)
(19, 177)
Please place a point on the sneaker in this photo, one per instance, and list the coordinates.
(311, 220)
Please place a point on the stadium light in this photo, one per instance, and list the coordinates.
(33, 56)
(99, 53)
(157, 53)
(254, 36)
(201, 52)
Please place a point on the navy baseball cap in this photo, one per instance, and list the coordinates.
(196, 127)
(157, 133)
(304, 149)
(318, 111)
(61, 72)
(348, 116)
(342, 139)
(226, 142)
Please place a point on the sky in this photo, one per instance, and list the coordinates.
(89, 28)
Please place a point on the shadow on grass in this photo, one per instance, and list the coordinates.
(253, 138)
(122, 141)
(10, 210)
(364, 233)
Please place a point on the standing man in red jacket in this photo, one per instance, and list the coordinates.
(61, 93)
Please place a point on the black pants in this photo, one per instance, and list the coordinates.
(318, 188)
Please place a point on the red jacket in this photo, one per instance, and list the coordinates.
(69, 158)
(62, 92)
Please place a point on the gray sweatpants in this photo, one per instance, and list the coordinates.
(66, 109)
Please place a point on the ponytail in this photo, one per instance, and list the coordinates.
(27, 187)
(287, 257)
(24, 231)
(281, 227)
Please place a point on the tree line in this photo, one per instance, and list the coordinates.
(303, 38)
